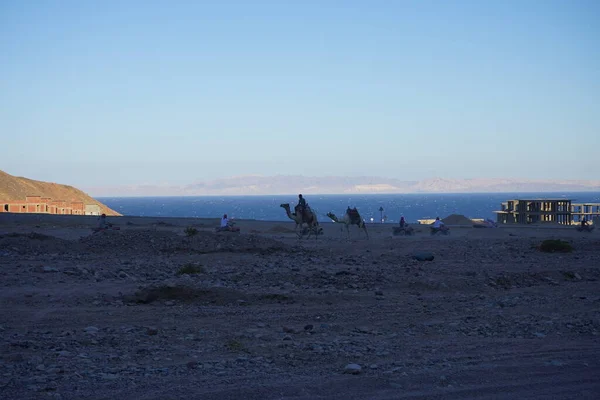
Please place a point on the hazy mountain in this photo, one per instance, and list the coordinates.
(293, 184)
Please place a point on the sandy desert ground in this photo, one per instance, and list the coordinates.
(268, 316)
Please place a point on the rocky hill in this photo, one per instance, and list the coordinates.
(13, 188)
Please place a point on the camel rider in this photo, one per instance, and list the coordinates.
(302, 205)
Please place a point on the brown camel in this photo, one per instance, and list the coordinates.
(309, 218)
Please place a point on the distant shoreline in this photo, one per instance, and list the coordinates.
(22, 220)
(341, 194)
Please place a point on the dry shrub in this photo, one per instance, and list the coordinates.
(190, 269)
(555, 246)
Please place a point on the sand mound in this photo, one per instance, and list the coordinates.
(35, 243)
(457, 219)
(170, 242)
(220, 296)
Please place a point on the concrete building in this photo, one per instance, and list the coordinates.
(589, 211)
(92, 209)
(559, 211)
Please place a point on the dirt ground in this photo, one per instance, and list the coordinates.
(146, 312)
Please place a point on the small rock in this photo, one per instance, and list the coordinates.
(373, 366)
(287, 329)
(378, 293)
(423, 256)
(192, 365)
(308, 327)
(91, 330)
(353, 369)
(152, 331)
(49, 269)
(539, 334)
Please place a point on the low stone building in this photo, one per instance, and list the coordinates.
(45, 205)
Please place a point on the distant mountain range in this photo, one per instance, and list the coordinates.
(293, 184)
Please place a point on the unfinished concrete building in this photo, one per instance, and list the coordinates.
(559, 211)
(589, 211)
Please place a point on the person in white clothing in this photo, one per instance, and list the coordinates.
(224, 221)
(439, 226)
(227, 225)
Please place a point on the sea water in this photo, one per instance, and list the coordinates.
(389, 207)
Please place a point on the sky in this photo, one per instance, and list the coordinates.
(112, 92)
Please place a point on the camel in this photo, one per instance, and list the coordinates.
(351, 217)
(312, 222)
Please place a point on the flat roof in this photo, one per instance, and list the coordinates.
(561, 199)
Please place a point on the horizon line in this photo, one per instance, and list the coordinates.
(341, 194)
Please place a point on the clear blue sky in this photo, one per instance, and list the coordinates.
(119, 92)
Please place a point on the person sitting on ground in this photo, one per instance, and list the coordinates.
(402, 222)
(227, 225)
(103, 223)
(584, 223)
(224, 221)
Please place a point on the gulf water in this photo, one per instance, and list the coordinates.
(266, 208)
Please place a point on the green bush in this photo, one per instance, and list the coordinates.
(190, 231)
(235, 346)
(556, 246)
(190, 269)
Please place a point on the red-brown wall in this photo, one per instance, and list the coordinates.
(43, 205)
(17, 207)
